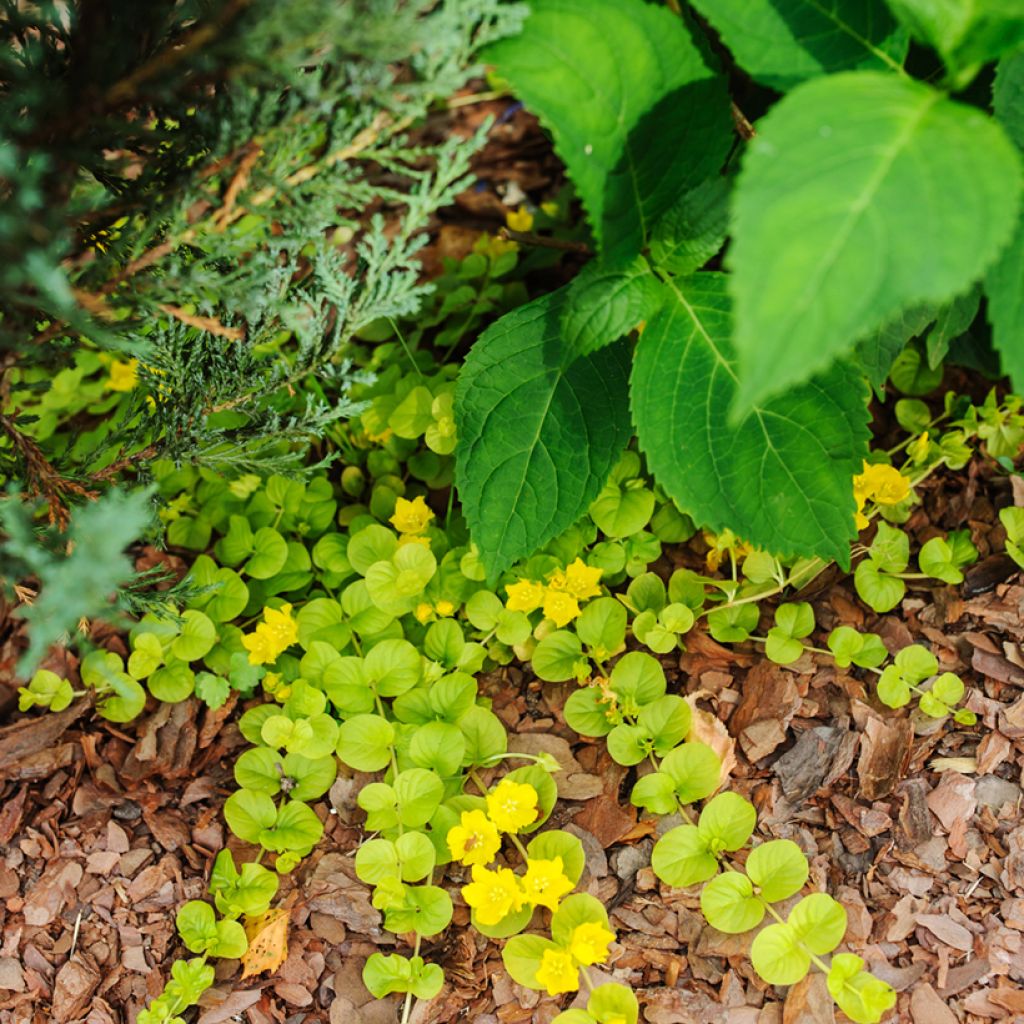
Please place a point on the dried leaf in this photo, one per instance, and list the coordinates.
(268, 942)
(705, 728)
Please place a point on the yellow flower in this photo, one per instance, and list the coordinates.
(545, 883)
(475, 840)
(524, 596)
(722, 544)
(493, 894)
(424, 612)
(411, 516)
(272, 637)
(411, 538)
(444, 608)
(918, 449)
(558, 972)
(882, 483)
(560, 606)
(512, 805)
(589, 943)
(123, 375)
(580, 580)
(519, 220)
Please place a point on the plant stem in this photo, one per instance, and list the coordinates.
(407, 1008)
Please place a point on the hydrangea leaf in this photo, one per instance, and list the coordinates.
(784, 472)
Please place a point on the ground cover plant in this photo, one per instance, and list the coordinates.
(703, 419)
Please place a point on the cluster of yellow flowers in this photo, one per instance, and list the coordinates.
(124, 375)
(560, 597)
(272, 637)
(411, 519)
(494, 893)
(880, 483)
(426, 612)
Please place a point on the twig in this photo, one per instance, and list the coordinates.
(529, 238)
(744, 128)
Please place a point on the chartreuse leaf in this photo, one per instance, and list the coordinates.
(203, 933)
(860, 995)
(784, 42)
(842, 168)
(537, 436)
(729, 904)
(522, 957)
(785, 471)
(850, 646)
(636, 114)
(1013, 522)
(726, 822)
(944, 558)
(682, 857)
(383, 975)
(693, 228)
(793, 622)
(819, 922)
(778, 868)
(364, 742)
(778, 956)
(695, 771)
(608, 1003)
(555, 843)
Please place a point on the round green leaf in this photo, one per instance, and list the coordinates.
(418, 792)
(638, 679)
(586, 712)
(259, 770)
(376, 860)
(726, 822)
(778, 868)
(248, 813)
(365, 741)
(555, 843)
(270, 552)
(681, 857)
(777, 955)
(655, 793)
(522, 956)
(198, 635)
(729, 904)
(296, 829)
(558, 657)
(393, 666)
(880, 593)
(484, 734)
(819, 922)
(695, 771)
(666, 720)
(438, 745)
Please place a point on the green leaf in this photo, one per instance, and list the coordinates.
(729, 904)
(613, 1002)
(270, 552)
(579, 908)
(637, 679)
(365, 741)
(484, 734)
(936, 559)
(778, 868)
(733, 624)
(882, 593)
(522, 956)
(849, 646)
(655, 792)
(197, 925)
(296, 828)
(635, 112)
(418, 792)
(537, 437)
(558, 657)
(393, 666)
(861, 996)
(586, 714)
(784, 42)
(783, 475)
(778, 956)
(693, 228)
(666, 720)
(628, 744)
(383, 975)
(438, 745)
(198, 635)
(843, 168)
(964, 33)
(555, 843)
(726, 822)
(916, 663)
(606, 302)
(602, 627)
(875, 353)
(248, 813)
(893, 689)
(173, 683)
(681, 857)
(819, 922)
(695, 770)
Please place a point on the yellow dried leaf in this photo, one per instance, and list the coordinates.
(705, 728)
(268, 942)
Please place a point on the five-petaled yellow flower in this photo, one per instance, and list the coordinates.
(123, 375)
(524, 596)
(558, 972)
(475, 840)
(272, 637)
(493, 894)
(512, 805)
(560, 606)
(881, 483)
(544, 883)
(411, 516)
(589, 943)
(578, 580)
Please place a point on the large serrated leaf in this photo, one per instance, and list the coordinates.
(635, 112)
(538, 435)
(782, 477)
(1004, 283)
(605, 303)
(843, 217)
(783, 42)
(876, 353)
